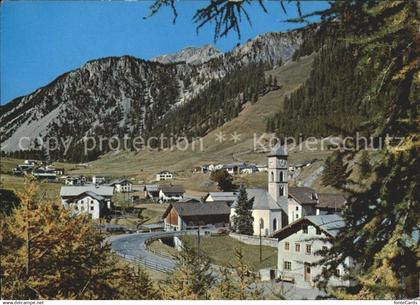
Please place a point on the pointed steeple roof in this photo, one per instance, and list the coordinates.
(278, 151)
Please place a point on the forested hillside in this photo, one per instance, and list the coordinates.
(331, 100)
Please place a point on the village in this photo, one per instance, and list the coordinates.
(290, 223)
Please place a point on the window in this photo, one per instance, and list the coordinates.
(286, 246)
(318, 231)
(287, 266)
(272, 176)
(92, 208)
(308, 249)
(297, 247)
(91, 202)
(297, 208)
(305, 229)
(281, 176)
(274, 224)
(337, 273)
(262, 223)
(281, 190)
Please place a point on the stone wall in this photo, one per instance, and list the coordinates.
(255, 240)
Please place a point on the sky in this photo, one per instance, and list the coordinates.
(41, 40)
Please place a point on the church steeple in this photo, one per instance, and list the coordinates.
(278, 174)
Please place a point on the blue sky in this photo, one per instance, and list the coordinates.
(40, 40)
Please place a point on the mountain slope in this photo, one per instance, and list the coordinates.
(119, 96)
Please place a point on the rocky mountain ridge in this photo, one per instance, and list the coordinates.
(119, 96)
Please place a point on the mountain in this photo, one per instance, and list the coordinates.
(190, 55)
(119, 96)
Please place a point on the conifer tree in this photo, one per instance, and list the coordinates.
(335, 171)
(243, 219)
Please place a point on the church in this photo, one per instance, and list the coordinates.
(280, 205)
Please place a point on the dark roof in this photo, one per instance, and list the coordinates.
(119, 181)
(303, 195)
(164, 172)
(169, 188)
(199, 209)
(331, 201)
(90, 194)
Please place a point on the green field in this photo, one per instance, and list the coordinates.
(221, 250)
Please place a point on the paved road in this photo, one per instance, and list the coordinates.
(132, 247)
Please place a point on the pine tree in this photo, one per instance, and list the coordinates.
(191, 279)
(243, 219)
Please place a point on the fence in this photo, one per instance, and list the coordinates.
(145, 262)
(255, 240)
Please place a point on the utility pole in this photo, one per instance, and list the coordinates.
(261, 225)
(198, 239)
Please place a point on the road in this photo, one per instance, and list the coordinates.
(133, 248)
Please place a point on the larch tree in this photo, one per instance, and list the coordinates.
(191, 279)
(48, 253)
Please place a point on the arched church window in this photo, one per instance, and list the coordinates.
(274, 224)
(272, 176)
(281, 176)
(281, 191)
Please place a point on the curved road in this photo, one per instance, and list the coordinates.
(133, 248)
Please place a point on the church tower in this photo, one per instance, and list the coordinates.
(278, 175)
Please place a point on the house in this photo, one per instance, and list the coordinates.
(248, 169)
(228, 197)
(169, 192)
(330, 203)
(74, 180)
(121, 185)
(299, 243)
(90, 203)
(59, 171)
(164, 175)
(42, 173)
(301, 202)
(262, 167)
(98, 180)
(234, 168)
(68, 194)
(181, 216)
(31, 162)
(151, 191)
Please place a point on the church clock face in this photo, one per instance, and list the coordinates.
(282, 162)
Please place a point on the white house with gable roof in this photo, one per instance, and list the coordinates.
(299, 243)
